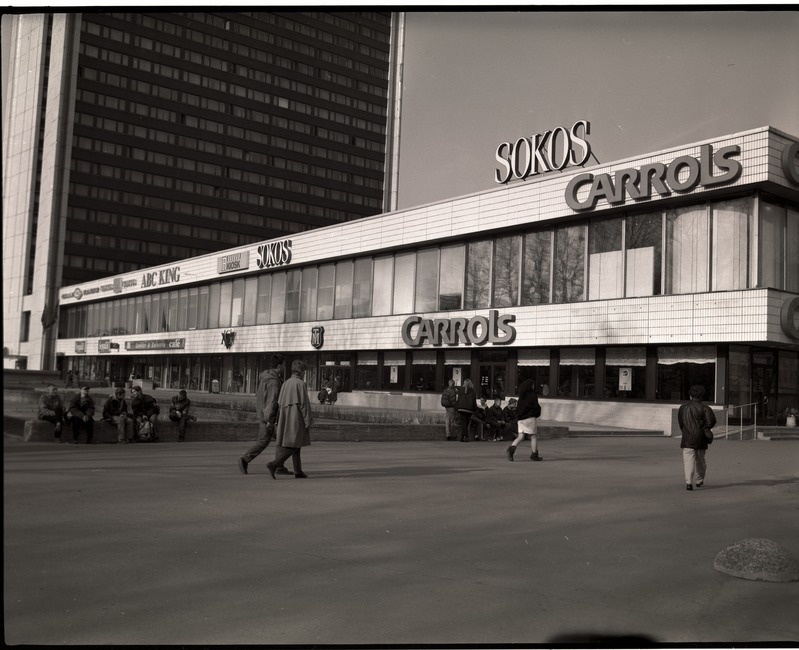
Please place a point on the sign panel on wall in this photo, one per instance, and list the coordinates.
(156, 344)
(625, 379)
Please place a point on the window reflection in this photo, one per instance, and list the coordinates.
(605, 260)
(506, 271)
(686, 250)
(536, 256)
(569, 264)
(478, 275)
(644, 246)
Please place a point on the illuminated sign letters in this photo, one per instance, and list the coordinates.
(479, 330)
(638, 184)
(543, 152)
(275, 254)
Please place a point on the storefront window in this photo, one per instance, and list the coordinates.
(506, 272)
(366, 371)
(426, 280)
(138, 310)
(277, 311)
(644, 251)
(344, 271)
(293, 278)
(569, 264)
(625, 373)
(250, 300)
(788, 385)
(132, 316)
(605, 273)
(450, 283)
(122, 317)
(533, 364)
(680, 367)
(310, 275)
(327, 291)
(202, 308)
(536, 256)
(687, 250)
(183, 308)
(362, 288)
(739, 391)
(213, 305)
(173, 310)
(225, 303)
(404, 281)
(159, 306)
(91, 319)
(478, 275)
(264, 299)
(732, 225)
(237, 303)
(191, 309)
(772, 245)
(576, 372)
(383, 284)
(146, 302)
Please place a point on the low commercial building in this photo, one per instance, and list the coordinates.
(615, 287)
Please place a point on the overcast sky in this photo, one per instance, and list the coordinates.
(645, 81)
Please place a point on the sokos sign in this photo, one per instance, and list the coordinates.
(479, 330)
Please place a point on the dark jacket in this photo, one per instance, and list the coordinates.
(449, 397)
(510, 414)
(50, 405)
(467, 401)
(114, 406)
(144, 405)
(79, 407)
(181, 404)
(528, 406)
(494, 415)
(266, 394)
(693, 417)
(293, 425)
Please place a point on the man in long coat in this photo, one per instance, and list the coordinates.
(292, 431)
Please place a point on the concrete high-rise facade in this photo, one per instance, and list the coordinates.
(139, 138)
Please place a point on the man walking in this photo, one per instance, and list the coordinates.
(696, 421)
(448, 399)
(293, 429)
(266, 410)
(51, 409)
(115, 411)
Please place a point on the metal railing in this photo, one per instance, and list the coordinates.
(741, 427)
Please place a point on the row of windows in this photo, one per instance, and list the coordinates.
(686, 250)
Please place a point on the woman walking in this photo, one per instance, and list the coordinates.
(466, 406)
(528, 410)
(292, 431)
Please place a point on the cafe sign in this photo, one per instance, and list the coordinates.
(156, 344)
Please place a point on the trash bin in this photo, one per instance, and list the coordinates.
(214, 385)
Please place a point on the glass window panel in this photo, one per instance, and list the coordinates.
(237, 303)
(264, 299)
(293, 278)
(158, 312)
(344, 271)
(772, 246)
(569, 264)
(183, 308)
(139, 311)
(605, 279)
(327, 291)
(115, 325)
(91, 320)
(362, 288)
(450, 282)
(122, 323)
(536, 256)
(101, 319)
(278, 308)
(191, 308)
(732, 223)
(427, 280)
(478, 275)
(404, 278)
(644, 249)
(506, 271)
(225, 303)
(202, 308)
(686, 250)
(213, 305)
(146, 301)
(383, 284)
(131, 326)
(250, 300)
(173, 310)
(310, 276)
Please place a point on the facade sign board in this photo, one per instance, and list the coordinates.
(80, 347)
(156, 344)
(625, 379)
(104, 346)
(479, 330)
(274, 254)
(233, 262)
(160, 278)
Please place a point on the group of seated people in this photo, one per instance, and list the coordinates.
(141, 410)
(494, 422)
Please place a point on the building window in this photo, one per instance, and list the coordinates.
(772, 245)
(382, 287)
(25, 327)
(478, 275)
(404, 281)
(327, 292)
(576, 372)
(643, 243)
(264, 299)
(732, 228)
(506, 271)
(686, 250)
(344, 272)
(680, 367)
(536, 258)
(362, 288)
(569, 264)
(310, 276)
(426, 298)
(625, 373)
(450, 284)
(605, 264)
(293, 278)
(237, 303)
(278, 308)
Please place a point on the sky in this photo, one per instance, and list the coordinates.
(644, 80)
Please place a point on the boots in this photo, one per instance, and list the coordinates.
(510, 451)
(535, 456)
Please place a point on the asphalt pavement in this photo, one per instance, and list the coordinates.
(393, 543)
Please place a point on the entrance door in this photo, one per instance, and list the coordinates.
(493, 380)
(764, 388)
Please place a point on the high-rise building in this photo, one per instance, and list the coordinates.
(139, 138)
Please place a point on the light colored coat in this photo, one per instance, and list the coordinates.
(294, 417)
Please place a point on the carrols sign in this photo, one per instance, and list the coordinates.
(543, 152)
(682, 174)
(496, 329)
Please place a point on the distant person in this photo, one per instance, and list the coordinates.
(696, 422)
(293, 428)
(479, 419)
(449, 398)
(70, 380)
(115, 411)
(51, 409)
(266, 410)
(527, 413)
(81, 411)
(466, 406)
(179, 413)
(510, 415)
(145, 410)
(495, 420)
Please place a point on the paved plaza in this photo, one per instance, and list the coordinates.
(393, 543)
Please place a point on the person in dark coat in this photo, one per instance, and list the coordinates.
(81, 411)
(466, 406)
(266, 410)
(115, 411)
(293, 429)
(527, 412)
(510, 415)
(495, 419)
(143, 407)
(179, 412)
(479, 419)
(448, 400)
(696, 422)
(51, 409)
